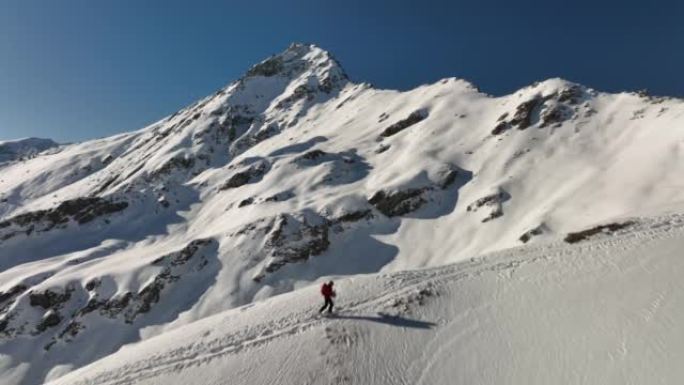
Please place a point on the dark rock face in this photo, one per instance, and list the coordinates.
(524, 113)
(131, 305)
(526, 236)
(342, 167)
(81, 210)
(555, 114)
(237, 180)
(500, 128)
(493, 202)
(294, 239)
(49, 299)
(448, 178)
(67, 304)
(355, 216)
(301, 92)
(251, 174)
(487, 200)
(51, 319)
(267, 68)
(571, 95)
(398, 203)
(602, 229)
(415, 117)
(177, 163)
(312, 155)
(248, 141)
(6, 298)
(246, 202)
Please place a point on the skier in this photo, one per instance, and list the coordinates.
(328, 293)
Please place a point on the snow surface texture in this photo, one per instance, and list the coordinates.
(174, 238)
(13, 150)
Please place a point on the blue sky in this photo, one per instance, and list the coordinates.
(78, 69)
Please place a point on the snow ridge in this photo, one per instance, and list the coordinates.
(293, 173)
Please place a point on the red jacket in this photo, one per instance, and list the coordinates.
(327, 290)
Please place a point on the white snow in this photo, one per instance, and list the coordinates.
(606, 312)
(293, 174)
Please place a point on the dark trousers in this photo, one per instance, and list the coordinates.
(328, 304)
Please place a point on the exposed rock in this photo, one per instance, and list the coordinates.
(524, 113)
(82, 210)
(49, 299)
(269, 67)
(398, 203)
(493, 202)
(51, 319)
(382, 148)
(571, 95)
(176, 163)
(71, 330)
(92, 284)
(527, 235)
(415, 117)
(251, 174)
(280, 197)
(246, 202)
(555, 114)
(355, 216)
(602, 229)
(294, 238)
(312, 155)
(301, 92)
(249, 141)
(6, 298)
(237, 180)
(447, 177)
(495, 213)
(500, 128)
(490, 199)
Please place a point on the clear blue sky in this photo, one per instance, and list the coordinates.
(78, 69)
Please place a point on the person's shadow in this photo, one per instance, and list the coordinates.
(388, 319)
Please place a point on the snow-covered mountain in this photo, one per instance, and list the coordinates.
(22, 148)
(294, 173)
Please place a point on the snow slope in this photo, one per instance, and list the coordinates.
(293, 173)
(15, 149)
(604, 312)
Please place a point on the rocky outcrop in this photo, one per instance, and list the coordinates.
(551, 109)
(250, 174)
(295, 238)
(533, 232)
(80, 210)
(127, 306)
(286, 238)
(413, 118)
(397, 203)
(607, 229)
(492, 202)
(269, 67)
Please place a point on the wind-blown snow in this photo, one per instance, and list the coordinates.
(294, 173)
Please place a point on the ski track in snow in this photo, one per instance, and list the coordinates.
(341, 333)
(293, 174)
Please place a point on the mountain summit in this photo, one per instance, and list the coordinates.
(292, 174)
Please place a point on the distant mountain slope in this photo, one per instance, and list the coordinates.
(15, 149)
(294, 172)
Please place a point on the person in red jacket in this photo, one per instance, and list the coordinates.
(328, 293)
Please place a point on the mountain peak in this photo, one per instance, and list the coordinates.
(296, 59)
